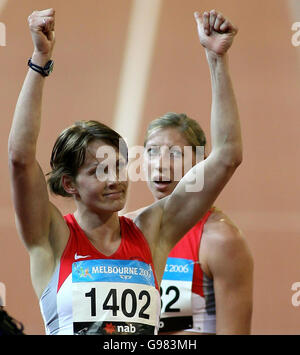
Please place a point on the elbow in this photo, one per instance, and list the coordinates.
(231, 158)
(17, 159)
(236, 160)
(233, 164)
(20, 154)
(234, 155)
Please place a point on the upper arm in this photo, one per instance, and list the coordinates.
(33, 211)
(194, 195)
(231, 266)
(39, 223)
(148, 220)
(132, 215)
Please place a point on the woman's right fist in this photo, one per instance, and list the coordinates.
(41, 24)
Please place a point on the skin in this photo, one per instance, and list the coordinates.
(224, 255)
(42, 226)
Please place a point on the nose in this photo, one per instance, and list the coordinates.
(161, 163)
(112, 180)
(111, 185)
(116, 175)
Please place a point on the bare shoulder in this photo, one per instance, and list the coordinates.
(133, 214)
(223, 242)
(148, 220)
(219, 224)
(220, 228)
(148, 215)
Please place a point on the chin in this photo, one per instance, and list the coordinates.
(119, 205)
(119, 208)
(161, 194)
(158, 195)
(112, 207)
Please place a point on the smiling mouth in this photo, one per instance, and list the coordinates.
(161, 185)
(115, 194)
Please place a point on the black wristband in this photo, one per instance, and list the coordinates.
(44, 71)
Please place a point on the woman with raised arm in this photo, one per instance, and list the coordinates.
(207, 284)
(93, 271)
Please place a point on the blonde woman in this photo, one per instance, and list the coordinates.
(207, 284)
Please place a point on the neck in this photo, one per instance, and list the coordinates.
(98, 226)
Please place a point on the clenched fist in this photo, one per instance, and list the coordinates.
(215, 32)
(41, 24)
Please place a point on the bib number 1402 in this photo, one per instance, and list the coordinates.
(128, 303)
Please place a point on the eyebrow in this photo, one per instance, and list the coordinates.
(95, 163)
(90, 165)
(164, 145)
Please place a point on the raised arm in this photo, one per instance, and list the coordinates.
(26, 122)
(34, 212)
(216, 36)
(182, 209)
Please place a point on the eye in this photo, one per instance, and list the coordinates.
(121, 164)
(153, 151)
(175, 153)
(101, 170)
(92, 171)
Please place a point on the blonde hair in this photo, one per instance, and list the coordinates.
(190, 128)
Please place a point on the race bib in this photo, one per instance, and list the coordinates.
(176, 295)
(114, 297)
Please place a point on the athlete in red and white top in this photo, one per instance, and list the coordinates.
(102, 292)
(128, 269)
(207, 284)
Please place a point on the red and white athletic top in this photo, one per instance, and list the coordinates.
(188, 299)
(90, 293)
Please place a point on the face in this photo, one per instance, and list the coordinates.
(101, 183)
(166, 160)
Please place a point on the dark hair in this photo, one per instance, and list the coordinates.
(186, 125)
(69, 150)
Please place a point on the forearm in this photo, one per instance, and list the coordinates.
(225, 124)
(27, 117)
